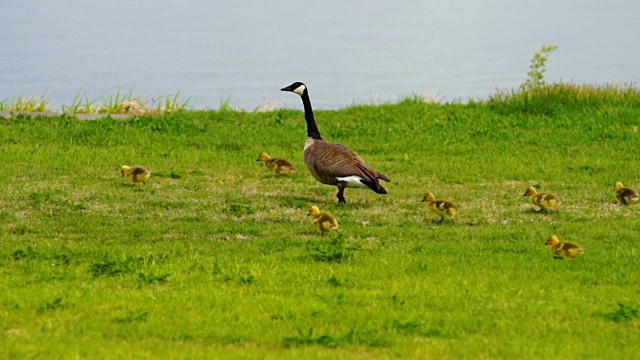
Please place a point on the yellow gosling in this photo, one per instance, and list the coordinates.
(444, 209)
(136, 174)
(564, 250)
(625, 195)
(279, 166)
(542, 201)
(322, 220)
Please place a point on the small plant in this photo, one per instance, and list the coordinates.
(132, 316)
(537, 68)
(236, 209)
(336, 250)
(246, 279)
(78, 105)
(407, 327)
(309, 338)
(170, 103)
(225, 106)
(21, 254)
(56, 304)
(334, 281)
(25, 104)
(110, 267)
(623, 313)
(153, 279)
(125, 103)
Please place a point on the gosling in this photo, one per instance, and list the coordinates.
(444, 209)
(279, 166)
(542, 201)
(136, 174)
(564, 250)
(322, 220)
(625, 195)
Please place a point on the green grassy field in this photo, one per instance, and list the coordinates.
(215, 257)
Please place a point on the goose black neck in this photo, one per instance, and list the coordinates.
(312, 128)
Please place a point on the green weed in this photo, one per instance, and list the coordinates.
(623, 313)
(25, 104)
(537, 68)
(125, 103)
(55, 304)
(153, 279)
(114, 267)
(335, 250)
(132, 316)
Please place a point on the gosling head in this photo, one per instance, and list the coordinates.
(552, 240)
(297, 87)
(314, 211)
(263, 157)
(530, 191)
(428, 197)
(618, 186)
(124, 170)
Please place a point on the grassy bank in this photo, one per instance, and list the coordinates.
(215, 258)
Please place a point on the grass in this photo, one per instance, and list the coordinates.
(120, 103)
(27, 104)
(216, 258)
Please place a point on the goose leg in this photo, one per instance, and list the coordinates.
(341, 194)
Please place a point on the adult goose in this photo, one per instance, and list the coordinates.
(333, 164)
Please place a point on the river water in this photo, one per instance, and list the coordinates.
(346, 51)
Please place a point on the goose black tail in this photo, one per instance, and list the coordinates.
(374, 185)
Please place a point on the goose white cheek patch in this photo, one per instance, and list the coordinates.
(299, 90)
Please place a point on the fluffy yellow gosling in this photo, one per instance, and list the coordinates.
(322, 220)
(444, 209)
(279, 166)
(542, 201)
(625, 195)
(564, 249)
(136, 174)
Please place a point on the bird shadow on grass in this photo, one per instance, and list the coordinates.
(133, 187)
(541, 211)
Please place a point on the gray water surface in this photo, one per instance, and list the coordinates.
(346, 51)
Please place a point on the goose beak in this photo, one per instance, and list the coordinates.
(291, 87)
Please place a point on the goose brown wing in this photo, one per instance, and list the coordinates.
(334, 160)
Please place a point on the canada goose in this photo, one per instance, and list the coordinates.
(444, 209)
(545, 201)
(278, 165)
(564, 250)
(625, 195)
(333, 164)
(136, 174)
(322, 220)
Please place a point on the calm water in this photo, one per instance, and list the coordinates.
(346, 51)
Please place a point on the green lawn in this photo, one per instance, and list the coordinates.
(215, 257)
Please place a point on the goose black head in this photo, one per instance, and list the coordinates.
(297, 87)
